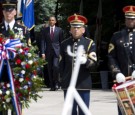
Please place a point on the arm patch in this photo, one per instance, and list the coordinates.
(111, 47)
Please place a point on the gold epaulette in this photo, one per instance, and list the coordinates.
(87, 38)
(91, 41)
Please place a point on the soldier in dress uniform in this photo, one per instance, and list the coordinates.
(83, 86)
(9, 23)
(121, 53)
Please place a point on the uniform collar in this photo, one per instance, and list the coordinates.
(76, 40)
(130, 30)
(11, 24)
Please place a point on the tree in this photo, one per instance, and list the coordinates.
(44, 9)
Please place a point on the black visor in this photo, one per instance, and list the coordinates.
(8, 8)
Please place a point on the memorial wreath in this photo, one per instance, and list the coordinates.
(24, 69)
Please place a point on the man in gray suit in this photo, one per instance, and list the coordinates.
(50, 50)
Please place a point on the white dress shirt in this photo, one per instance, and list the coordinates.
(11, 24)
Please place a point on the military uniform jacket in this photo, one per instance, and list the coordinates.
(67, 63)
(121, 53)
(16, 29)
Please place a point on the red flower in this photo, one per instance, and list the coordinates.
(35, 72)
(18, 61)
(27, 66)
(11, 37)
(23, 53)
(1, 39)
(27, 79)
(17, 84)
(20, 95)
(26, 49)
(29, 89)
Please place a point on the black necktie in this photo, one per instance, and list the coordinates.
(8, 27)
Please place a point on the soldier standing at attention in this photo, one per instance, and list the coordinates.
(67, 63)
(121, 51)
(9, 23)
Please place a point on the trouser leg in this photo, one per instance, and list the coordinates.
(50, 70)
(85, 95)
(119, 111)
(56, 72)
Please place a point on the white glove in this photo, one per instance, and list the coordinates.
(120, 78)
(83, 59)
(133, 75)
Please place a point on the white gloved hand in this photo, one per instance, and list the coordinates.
(133, 75)
(83, 59)
(120, 78)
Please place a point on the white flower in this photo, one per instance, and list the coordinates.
(15, 27)
(4, 106)
(16, 36)
(8, 100)
(21, 37)
(19, 29)
(20, 88)
(34, 76)
(8, 85)
(7, 92)
(23, 63)
(25, 87)
(29, 54)
(0, 92)
(21, 79)
(23, 72)
(20, 50)
(30, 62)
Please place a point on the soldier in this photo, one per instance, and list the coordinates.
(77, 23)
(9, 23)
(122, 48)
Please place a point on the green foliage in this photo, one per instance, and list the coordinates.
(44, 9)
(27, 72)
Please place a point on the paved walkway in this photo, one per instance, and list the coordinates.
(102, 103)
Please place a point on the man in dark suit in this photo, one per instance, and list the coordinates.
(50, 49)
(9, 23)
